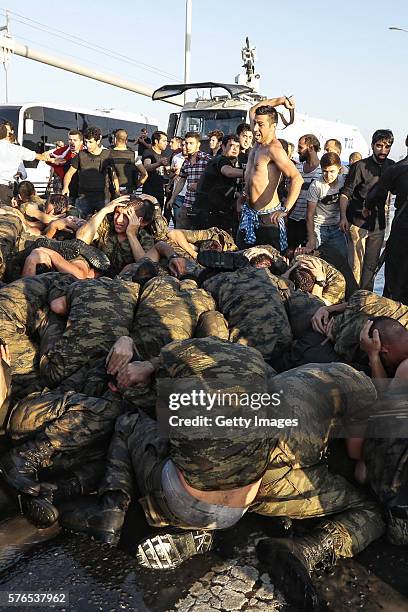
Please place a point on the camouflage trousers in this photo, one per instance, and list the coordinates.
(138, 453)
(301, 492)
(78, 425)
(135, 460)
(11, 228)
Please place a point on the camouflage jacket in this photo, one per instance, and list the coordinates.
(250, 300)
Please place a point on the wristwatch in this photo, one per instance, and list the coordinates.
(321, 282)
(173, 256)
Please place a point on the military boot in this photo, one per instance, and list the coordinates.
(169, 550)
(291, 562)
(40, 510)
(19, 466)
(102, 521)
(226, 261)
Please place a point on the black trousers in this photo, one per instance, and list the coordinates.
(396, 262)
(297, 233)
(206, 219)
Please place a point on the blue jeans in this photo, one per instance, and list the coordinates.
(87, 206)
(177, 207)
(331, 234)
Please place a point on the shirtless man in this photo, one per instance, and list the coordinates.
(262, 220)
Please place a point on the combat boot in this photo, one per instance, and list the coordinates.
(19, 466)
(40, 510)
(171, 549)
(291, 562)
(226, 261)
(102, 522)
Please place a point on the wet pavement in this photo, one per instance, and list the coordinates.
(103, 578)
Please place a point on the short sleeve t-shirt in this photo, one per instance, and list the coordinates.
(299, 210)
(155, 182)
(92, 171)
(326, 197)
(124, 162)
(215, 192)
(177, 163)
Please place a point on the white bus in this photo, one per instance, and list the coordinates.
(38, 126)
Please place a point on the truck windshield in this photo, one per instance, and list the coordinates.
(204, 121)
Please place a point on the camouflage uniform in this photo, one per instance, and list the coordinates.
(78, 417)
(139, 450)
(11, 228)
(168, 310)
(363, 305)
(335, 289)
(119, 252)
(250, 300)
(201, 235)
(330, 254)
(23, 312)
(386, 458)
(100, 311)
(301, 307)
(297, 483)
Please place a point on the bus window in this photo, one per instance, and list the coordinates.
(57, 124)
(132, 129)
(33, 132)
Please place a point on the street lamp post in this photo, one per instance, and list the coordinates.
(187, 44)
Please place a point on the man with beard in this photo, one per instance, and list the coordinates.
(366, 227)
(262, 219)
(308, 147)
(395, 181)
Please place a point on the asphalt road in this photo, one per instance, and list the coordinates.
(101, 578)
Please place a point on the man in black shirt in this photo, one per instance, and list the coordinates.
(155, 164)
(366, 227)
(143, 142)
(92, 166)
(131, 173)
(216, 188)
(394, 180)
(245, 137)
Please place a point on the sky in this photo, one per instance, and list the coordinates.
(339, 59)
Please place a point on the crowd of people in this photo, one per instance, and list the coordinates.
(172, 271)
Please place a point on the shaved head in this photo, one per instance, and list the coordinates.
(394, 340)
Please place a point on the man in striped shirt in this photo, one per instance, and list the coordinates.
(308, 147)
(190, 174)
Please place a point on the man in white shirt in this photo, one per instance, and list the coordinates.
(11, 157)
(323, 207)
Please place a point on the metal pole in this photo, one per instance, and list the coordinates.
(52, 60)
(6, 54)
(187, 44)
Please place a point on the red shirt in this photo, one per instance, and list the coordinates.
(66, 152)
